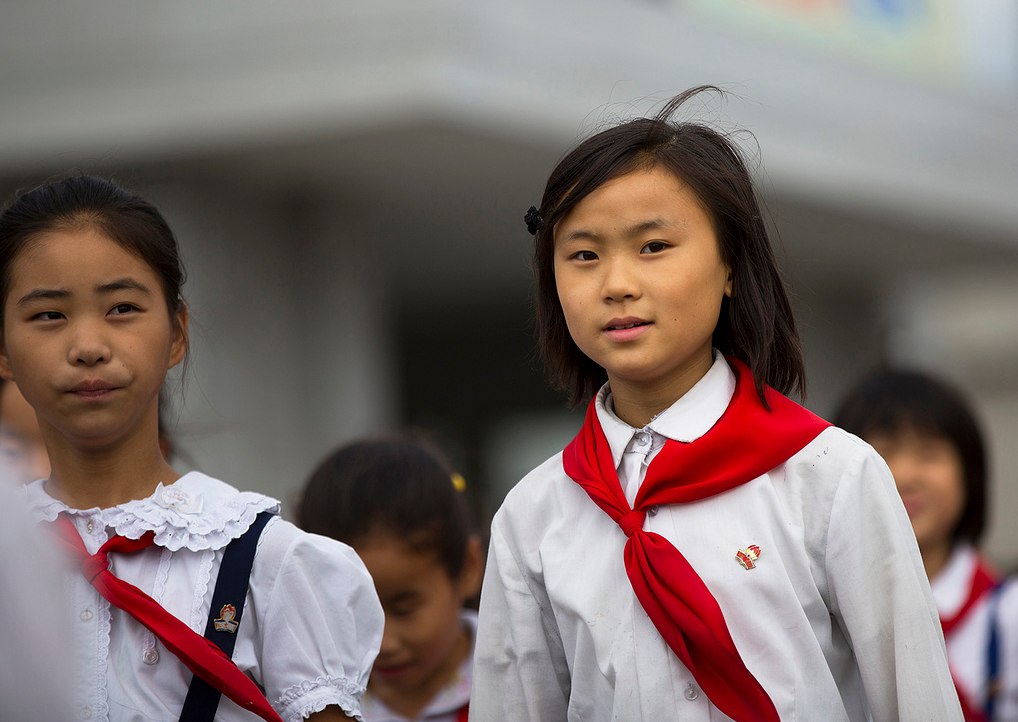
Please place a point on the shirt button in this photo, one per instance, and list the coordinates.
(86, 614)
(652, 511)
(85, 713)
(90, 528)
(692, 693)
(151, 656)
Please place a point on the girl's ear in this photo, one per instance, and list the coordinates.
(473, 569)
(5, 364)
(728, 282)
(179, 344)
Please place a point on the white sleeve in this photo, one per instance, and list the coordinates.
(881, 598)
(319, 622)
(520, 672)
(1007, 629)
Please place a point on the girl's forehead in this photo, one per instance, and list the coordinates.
(906, 430)
(85, 250)
(639, 198)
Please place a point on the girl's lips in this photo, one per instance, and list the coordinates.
(93, 390)
(390, 671)
(628, 331)
(92, 395)
(912, 505)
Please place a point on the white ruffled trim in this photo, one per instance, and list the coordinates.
(196, 512)
(102, 701)
(302, 700)
(199, 617)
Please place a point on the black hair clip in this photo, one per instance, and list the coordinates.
(533, 220)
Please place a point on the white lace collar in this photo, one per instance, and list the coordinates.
(195, 512)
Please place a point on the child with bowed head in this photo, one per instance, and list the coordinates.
(90, 280)
(705, 548)
(929, 437)
(397, 503)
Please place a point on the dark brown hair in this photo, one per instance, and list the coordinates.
(756, 323)
(892, 401)
(394, 486)
(82, 201)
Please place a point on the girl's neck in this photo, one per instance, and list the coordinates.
(637, 403)
(84, 478)
(935, 558)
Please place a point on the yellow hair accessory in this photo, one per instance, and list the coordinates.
(459, 483)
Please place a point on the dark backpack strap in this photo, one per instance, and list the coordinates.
(993, 654)
(202, 699)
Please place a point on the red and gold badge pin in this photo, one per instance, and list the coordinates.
(748, 556)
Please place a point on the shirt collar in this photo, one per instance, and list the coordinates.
(196, 512)
(689, 418)
(951, 586)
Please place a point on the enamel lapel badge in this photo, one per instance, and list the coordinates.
(748, 556)
(226, 622)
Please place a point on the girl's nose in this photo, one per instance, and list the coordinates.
(89, 346)
(620, 281)
(904, 470)
(390, 642)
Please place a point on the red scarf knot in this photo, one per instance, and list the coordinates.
(632, 521)
(747, 441)
(94, 565)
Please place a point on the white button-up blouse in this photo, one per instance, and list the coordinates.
(835, 618)
(312, 622)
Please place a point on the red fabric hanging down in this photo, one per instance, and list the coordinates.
(746, 442)
(982, 583)
(197, 653)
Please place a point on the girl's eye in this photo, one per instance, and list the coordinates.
(584, 256)
(122, 308)
(402, 611)
(48, 316)
(654, 247)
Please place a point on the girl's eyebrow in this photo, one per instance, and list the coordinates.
(636, 229)
(123, 284)
(43, 293)
(120, 284)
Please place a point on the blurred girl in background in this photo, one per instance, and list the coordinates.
(931, 440)
(22, 451)
(397, 503)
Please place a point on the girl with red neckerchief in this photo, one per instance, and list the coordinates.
(705, 548)
(930, 439)
(184, 597)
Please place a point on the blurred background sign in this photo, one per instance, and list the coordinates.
(919, 36)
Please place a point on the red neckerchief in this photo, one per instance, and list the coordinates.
(745, 443)
(982, 582)
(198, 654)
(462, 715)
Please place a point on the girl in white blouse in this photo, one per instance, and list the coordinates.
(929, 437)
(92, 321)
(705, 549)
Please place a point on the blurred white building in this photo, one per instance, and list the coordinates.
(348, 182)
